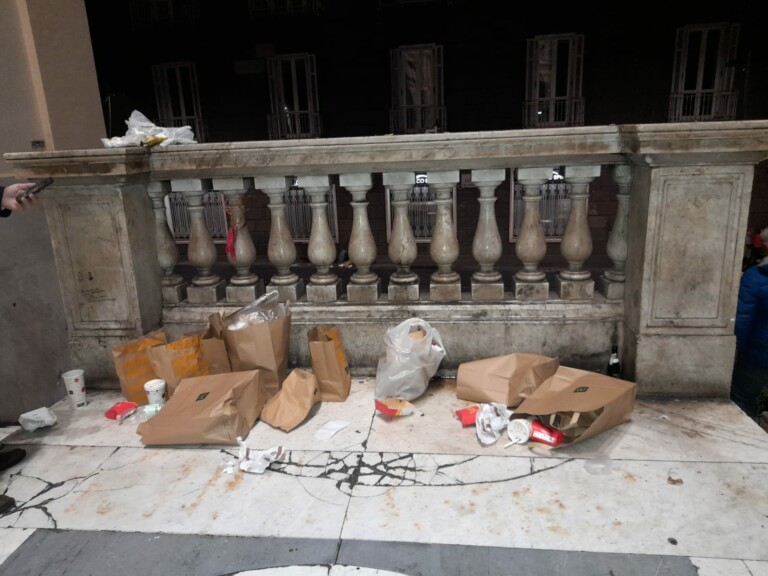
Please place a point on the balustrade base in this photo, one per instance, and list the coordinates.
(487, 291)
(245, 294)
(324, 292)
(364, 292)
(206, 294)
(403, 292)
(175, 294)
(288, 292)
(575, 289)
(445, 292)
(611, 289)
(531, 290)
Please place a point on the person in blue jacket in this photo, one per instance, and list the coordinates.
(750, 370)
(9, 204)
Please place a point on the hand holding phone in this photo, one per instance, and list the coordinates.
(37, 188)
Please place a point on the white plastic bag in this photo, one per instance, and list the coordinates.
(414, 351)
(142, 132)
(35, 419)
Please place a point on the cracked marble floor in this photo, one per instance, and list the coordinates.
(678, 490)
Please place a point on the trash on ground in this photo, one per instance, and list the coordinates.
(519, 430)
(39, 418)
(142, 132)
(467, 415)
(330, 428)
(291, 406)
(329, 362)
(257, 461)
(394, 407)
(491, 420)
(413, 352)
(121, 410)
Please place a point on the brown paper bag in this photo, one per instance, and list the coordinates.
(213, 348)
(177, 360)
(260, 346)
(329, 363)
(503, 379)
(133, 366)
(207, 410)
(580, 403)
(290, 407)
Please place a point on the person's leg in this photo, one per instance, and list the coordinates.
(6, 503)
(11, 457)
(746, 384)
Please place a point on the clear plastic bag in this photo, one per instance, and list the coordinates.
(264, 309)
(414, 351)
(142, 132)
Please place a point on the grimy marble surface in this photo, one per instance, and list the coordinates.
(682, 478)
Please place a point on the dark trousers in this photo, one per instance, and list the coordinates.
(747, 382)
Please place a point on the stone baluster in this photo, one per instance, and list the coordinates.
(174, 288)
(575, 283)
(324, 285)
(207, 287)
(487, 284)
(245, 286)
(445, 283)
(611, 282)
(403, 283)
(281, 250)
(364, 285)
(531, 247)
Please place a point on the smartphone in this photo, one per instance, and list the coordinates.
(37, 188)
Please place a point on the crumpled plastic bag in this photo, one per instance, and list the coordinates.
(256, 461)
(39, 418)
(414, 351)
(264, 309)
(142, 132)
(490, 421)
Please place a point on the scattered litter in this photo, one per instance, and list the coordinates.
(467, 416)
(38, 418)
(121, 410)
(257, 461)
(674, 481)
(142, 132)
(330, 428)
(519, 431)
(228, 467)
(490, 421)
(672, 541)
(395, 407)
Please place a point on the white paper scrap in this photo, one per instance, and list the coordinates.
(330, 428)
(257, 461)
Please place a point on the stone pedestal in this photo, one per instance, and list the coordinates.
(531, 290)
(206, 294)
(440, 292)
(610, 289)
(288, 292)
(175, 294)
(403, 292)
(487, 291)
(324, 292)
(245, 294)
(364, 292)
(574, 289)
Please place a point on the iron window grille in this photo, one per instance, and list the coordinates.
(298, 213)
(177, 96)
(554, 209)
(214, 211)
(422, 210)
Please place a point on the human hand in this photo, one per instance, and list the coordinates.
(9, 201)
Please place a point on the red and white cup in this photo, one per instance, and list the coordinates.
(75, 385)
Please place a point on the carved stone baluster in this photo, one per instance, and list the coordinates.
(531, 247)
(324, 285)
(575, 283)
(245, 286)
(207, 287)
(487, 284)
(403, 283)
(445, 283)
(281, 250)
(611, 282)
(364, 285)
(174, 288)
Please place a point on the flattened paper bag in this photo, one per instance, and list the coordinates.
(329, 363)
(503, 379)
(291, 406)
(580, 403)
(133, 366)
(208, 410)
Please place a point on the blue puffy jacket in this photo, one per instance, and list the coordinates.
(752, 316)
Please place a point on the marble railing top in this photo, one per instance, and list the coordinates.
(704, 143)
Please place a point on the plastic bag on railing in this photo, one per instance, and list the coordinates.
(264, 309)
(414, 351)
(142, 132)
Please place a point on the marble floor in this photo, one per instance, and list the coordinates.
(680, 489)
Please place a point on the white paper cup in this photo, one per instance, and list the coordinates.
(155, 390)
(519, 430)
(75, 384)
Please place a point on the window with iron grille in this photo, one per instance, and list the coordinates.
(178, 97)
(554, 208)
(298, 213)
(214, 210)
(417, 90)
(293, 97)
(553, 81)
(421, 210)
(704, 66)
